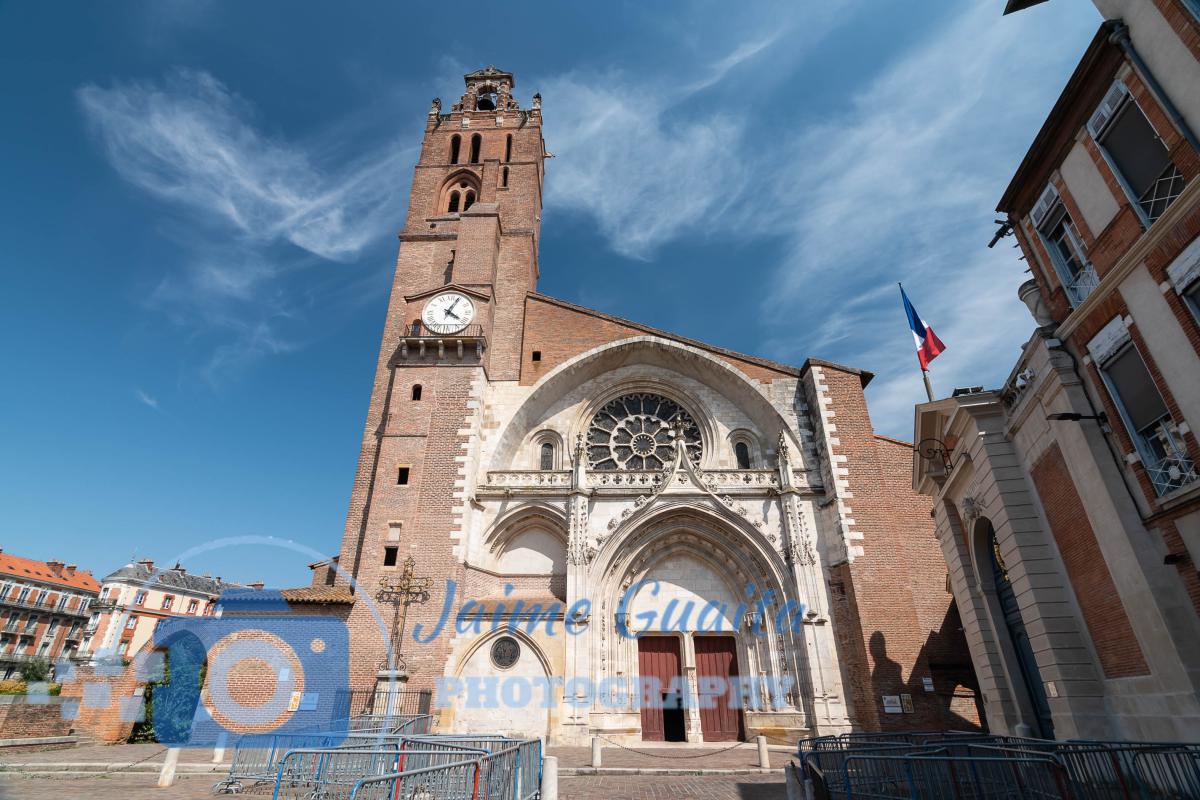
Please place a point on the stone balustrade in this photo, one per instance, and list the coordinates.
(529, 479)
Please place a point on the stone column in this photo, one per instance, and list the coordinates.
(579, 553)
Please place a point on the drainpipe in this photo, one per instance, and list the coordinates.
(1120, 37)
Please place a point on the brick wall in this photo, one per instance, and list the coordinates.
(1118, 650)
(896, 620)
(22, 719)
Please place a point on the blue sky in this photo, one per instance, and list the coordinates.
(201, 199)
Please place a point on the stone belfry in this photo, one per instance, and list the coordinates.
(467, 260)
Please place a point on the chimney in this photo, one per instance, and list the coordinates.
(70, 569)
(56, 567)
(256, 585)
(147, 563)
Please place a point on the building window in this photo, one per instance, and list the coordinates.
(636, 432)
(389, 556)
(476, 143)
(453, 202)
(1191, 297)
(416, 392)
(1061, 239)
(123, 647)
(5, 588)
(468, 200)
(131, 623)
(402, 476)
(455, 146)
(547, 456)
(741, 451)
(52, 627)
(507, 152)
(536, 355)
(504, 178)
(24, 593)
(193, 606)
(168, 601)
(1136, 154)
(139, 599)
(41, 597)
(84, 604)
(1148, 420)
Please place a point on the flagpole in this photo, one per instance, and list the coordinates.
(924, 372)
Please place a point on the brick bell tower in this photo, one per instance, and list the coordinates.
(468, 258)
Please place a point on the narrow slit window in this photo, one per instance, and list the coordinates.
(547, 456)
(453, 202)
(742, 452)
(455, 146)
(389, 556)
(416, 392)
(469, 201)
(476, 143)
(402, 476)
(508, 148)
(504, 178)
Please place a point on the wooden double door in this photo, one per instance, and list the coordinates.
(716, 657)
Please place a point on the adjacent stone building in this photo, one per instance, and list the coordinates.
(530, 449)
(137, 596)
(1067, 501)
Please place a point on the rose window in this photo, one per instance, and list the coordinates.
(635, 432)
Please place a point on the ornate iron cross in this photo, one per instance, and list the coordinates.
(401, 591)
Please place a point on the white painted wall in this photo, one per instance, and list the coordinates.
(1088, 190)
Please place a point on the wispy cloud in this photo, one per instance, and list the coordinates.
(146, 399)
(260, 208)
(900, 188)
(896, 185)
(645, 156)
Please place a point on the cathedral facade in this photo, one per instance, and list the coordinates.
(620, 507)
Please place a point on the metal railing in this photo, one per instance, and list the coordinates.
(370, 702)
(418, 330)
(970, 765)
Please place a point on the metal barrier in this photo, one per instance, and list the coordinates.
(1121, 770)
(970, 765)
(256, 757)
(458, 781)
(924, 777)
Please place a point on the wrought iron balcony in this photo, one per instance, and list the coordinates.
(1162, 193)
(33, 605)
(1082, 285)
(1173, 472)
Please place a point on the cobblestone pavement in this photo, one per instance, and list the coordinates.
(615, 787)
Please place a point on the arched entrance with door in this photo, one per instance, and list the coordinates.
(1025, 680)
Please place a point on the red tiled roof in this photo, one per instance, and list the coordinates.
(318, 594)
(28, 569)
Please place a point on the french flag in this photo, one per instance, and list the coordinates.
(929, 346)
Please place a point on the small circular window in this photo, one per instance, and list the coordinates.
(505, 652)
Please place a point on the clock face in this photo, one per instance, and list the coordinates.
(448, 313)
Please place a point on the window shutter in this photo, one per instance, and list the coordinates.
(1108, 107)
(1044, 204)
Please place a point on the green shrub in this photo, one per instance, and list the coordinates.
(35, 669)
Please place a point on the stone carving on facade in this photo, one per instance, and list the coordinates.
(971, 509)
(435, 108)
